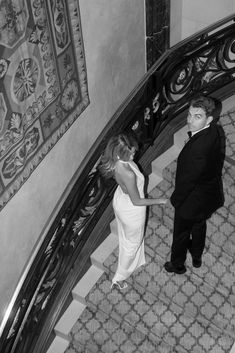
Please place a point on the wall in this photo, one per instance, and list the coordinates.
(175, 21)
(190, 16)
(114, 40)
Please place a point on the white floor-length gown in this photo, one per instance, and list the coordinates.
(131, 224)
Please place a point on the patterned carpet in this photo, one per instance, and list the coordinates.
(162, 312)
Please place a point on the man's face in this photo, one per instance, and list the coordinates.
(197, 119)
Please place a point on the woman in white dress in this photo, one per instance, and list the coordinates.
(129, 204)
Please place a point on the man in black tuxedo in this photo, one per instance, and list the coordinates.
(198, 185)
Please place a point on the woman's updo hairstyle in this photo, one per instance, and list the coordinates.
(118, 147)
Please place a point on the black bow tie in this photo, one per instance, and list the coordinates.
(189, 134)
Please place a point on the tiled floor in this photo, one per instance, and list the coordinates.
(227, 121)
(162, 312)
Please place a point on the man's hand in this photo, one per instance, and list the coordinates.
(163, 201)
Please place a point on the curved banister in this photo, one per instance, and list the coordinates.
(204, 62)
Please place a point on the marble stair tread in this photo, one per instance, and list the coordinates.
(98, 331)
(164, 189)
(153, 180)
(68, 319)
(168, 174)
(166, 158)
(180, 137)
(157, 316)
(104, 250)
(162, 162)
(159, 165)
(74, 311)
(58, 345)
(233, 349)
(85, 284)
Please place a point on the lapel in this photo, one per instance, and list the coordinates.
(198, 135)
(194, 139)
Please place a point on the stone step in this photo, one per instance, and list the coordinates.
(85, 284)
(233, 349)
(68, 319)
(105, 249)
(159, 165)
(77, 305)
(59, 345)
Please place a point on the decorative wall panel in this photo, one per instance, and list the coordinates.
(43, 84)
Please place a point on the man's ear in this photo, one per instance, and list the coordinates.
(209, 119)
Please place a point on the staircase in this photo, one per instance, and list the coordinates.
(160, 312)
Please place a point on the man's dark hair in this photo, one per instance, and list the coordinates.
(206, 103)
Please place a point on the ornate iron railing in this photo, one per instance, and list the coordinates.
(202, 63)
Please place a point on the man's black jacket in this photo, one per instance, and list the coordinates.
(198, 184)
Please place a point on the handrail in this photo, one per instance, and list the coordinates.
(204, 62)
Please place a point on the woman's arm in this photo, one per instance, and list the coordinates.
(128, 178)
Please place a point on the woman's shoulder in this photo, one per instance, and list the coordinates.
(123, 168)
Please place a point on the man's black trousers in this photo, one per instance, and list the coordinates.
(188, 234)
